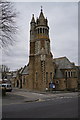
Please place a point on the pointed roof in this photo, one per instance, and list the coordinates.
(42, 20)
(41, 15)
(25, 70)
(33, 19)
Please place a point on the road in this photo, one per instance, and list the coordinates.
(58, 107)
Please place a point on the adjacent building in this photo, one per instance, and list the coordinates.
(66, 74)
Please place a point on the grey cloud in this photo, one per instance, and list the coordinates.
(63, 31)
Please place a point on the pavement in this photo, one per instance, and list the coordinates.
(31, 96)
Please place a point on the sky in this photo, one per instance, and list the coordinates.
(63, 23)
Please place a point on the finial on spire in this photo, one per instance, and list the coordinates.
(33, 20)
(41, 9)
(33, 15)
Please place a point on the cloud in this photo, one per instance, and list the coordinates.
(63, 24)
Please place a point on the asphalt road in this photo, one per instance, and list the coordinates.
(63, 107)
(12, 99)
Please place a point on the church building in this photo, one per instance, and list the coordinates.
(41, 65)
(43, 71)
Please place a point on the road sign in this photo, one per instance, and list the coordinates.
(52, 85)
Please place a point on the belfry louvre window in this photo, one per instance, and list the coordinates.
(47, 32)
(43, 30)
(40, 30)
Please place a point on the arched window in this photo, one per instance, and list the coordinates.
(69, 74)
(47, 32)
(43, 30)
(66, 75)
(40, 30)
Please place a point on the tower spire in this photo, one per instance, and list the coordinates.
(41, 9)
(33, 20)
(41, 14)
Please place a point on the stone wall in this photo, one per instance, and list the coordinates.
(63, 84)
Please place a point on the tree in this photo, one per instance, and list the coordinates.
(7, 24)
(4, 69)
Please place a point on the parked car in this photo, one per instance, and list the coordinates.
(6, 86)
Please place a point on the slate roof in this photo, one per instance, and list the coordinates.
(63, 63)
(25, 70)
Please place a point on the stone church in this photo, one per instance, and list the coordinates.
(42, 70)
(41, 65)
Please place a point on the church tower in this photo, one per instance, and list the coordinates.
(41, 66)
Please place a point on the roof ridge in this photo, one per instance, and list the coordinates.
(60, 57)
